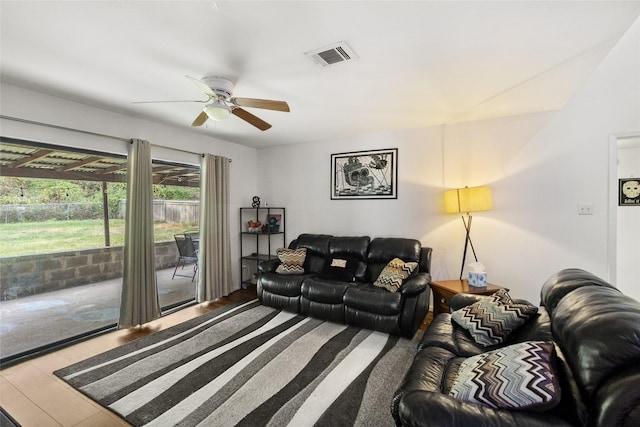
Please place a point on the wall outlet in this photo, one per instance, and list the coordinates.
(585, 208)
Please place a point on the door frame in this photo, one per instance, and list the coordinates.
(612, 202)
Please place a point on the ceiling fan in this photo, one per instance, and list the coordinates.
(221, 104)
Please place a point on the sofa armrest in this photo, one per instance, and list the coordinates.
(422, 408)
(416, 284)
(462, 300)
(268, 266)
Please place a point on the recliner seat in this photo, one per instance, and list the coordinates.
(596, 332)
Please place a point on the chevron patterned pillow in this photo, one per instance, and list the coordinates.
(491, 320)
(517, 376)
(394, 273)
(291, 260)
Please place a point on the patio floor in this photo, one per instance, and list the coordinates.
(38, 320)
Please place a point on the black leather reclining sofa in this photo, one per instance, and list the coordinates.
(596, 332)
(352, 300)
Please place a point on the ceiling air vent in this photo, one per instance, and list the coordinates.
(334, 54)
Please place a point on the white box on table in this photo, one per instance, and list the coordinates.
(478, 280)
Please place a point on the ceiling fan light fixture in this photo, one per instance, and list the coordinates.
(217, 110)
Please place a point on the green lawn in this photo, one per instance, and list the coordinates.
(28, 238)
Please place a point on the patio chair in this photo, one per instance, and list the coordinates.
(188, 254)
(194, 235)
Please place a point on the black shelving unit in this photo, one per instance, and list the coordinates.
(260, 246)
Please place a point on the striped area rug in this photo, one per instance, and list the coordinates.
(249, 365)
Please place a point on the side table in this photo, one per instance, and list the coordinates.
(444, 290)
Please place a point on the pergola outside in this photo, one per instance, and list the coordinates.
(29, 159)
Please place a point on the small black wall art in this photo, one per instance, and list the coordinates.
(365, 175)
(629, 192)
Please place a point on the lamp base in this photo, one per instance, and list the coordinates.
(467, 243)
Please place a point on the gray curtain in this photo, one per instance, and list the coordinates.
(139, 302)
(214, 257)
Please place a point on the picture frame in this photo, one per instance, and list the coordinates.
(371, 174)
(273, 222)
(629, 192)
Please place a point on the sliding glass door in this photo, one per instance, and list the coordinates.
(62, 235)
(176, 211)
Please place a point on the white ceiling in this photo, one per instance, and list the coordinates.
(421, 63)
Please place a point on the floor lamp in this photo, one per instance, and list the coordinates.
(466, 200)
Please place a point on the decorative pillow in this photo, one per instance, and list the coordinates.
(291, 260)
(394, 273)
(502, 295)
(519, 376)
(491, 320)
(341, 268)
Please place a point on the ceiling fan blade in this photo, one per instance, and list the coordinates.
(250, 118)
(266, 104)
(199, 121)
(158, 102)
(203, 87)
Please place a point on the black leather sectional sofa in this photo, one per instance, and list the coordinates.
(596, 333)
(352, 300)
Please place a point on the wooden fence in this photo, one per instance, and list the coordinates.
(174, 211)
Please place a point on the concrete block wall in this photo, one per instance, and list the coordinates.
(26, 275)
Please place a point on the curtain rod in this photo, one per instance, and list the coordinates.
(32, 122)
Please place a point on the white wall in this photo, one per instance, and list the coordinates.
(540, 166)
(26, 104)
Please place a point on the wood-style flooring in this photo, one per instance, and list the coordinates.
(32, 395)
(35, 397)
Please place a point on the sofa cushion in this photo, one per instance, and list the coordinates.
(394, 273)
(317, 250)
(282, 284)
(350, 246)
(318, 243)
(384, 249)
(492, 319)
(350, 252)
(372, 299)
(566, 281)
(291, 260)
(444, 333)
(519, 376)
(341, 268)
(598, 330)
(324, 291)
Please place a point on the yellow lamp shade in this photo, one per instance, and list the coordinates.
(468, 199)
